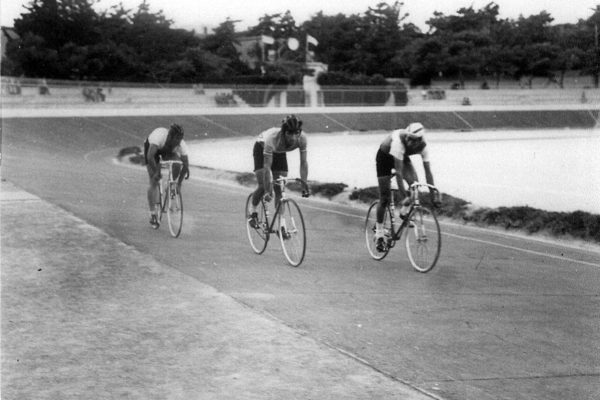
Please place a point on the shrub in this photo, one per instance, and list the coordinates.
(129, 151)
(328, 190)
(246, 179)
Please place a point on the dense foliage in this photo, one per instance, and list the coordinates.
(69, 39)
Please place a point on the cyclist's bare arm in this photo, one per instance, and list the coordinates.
(185, 172)
(303, 166)
(428, 174)
(436, 198)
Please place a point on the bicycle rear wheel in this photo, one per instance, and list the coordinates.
(423, 239)
(174, 210)
(370, 232)
(292, 233)
(258, 234)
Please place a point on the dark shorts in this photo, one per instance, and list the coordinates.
(385, 163)
(279, 159)
(159, 154)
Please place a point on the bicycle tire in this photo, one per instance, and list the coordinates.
(423, 239)
(174, 210)
(370, 232)
(292, 232)
(259, 235)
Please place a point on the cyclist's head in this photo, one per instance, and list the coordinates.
(415, 130)
(291, 125)
(176, 132)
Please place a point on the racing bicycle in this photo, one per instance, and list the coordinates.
(287, 223)
(170, 199)
(423, 239)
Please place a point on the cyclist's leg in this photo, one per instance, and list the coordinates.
(153, 197)
(260, 188)
(279, 168)
(258, 156)
(384, 164)
(410, 176)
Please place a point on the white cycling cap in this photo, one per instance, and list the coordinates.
(415, 129)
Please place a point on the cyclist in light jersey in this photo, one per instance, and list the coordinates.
(165, 144)
(394, 153)
(270, 159)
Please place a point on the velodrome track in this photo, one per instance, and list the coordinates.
(500, 317)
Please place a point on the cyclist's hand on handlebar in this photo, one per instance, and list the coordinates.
(186, 173)
(268, 197)
(305, 193)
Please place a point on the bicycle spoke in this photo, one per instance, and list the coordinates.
(370, 239)
(292, 234)
(175, 212)
(423, 239)
(258, 231)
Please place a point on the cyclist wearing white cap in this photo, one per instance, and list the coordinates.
(394, 153)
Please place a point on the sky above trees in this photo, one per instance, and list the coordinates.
(198, 14)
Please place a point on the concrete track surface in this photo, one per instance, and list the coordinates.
(96, 304)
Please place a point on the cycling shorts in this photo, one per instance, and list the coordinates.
(159, 154)
(385, 163)
(279, 159)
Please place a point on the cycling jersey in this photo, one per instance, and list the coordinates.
(158, 137)
(398, 150)
(275, 143)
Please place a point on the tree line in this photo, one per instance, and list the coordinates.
(69, 39)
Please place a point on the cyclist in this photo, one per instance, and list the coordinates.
(165, 144)
(395, 152)
(270, 160)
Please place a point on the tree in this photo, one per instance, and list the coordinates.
(221, 45)
(466, 39)
(588, 40)
(534, 52)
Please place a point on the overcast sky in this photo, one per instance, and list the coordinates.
(197, 14)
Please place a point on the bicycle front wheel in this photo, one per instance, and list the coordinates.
(370, 239)
(174, 210)
(292, 233)
(163, 195)
(423, 239)
(258, 229)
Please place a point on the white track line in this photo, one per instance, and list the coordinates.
(479, 240)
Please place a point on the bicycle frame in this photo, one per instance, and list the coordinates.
(415, 202)
(422, 238)
(287, 223)
(281, 182)
(168, 165)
